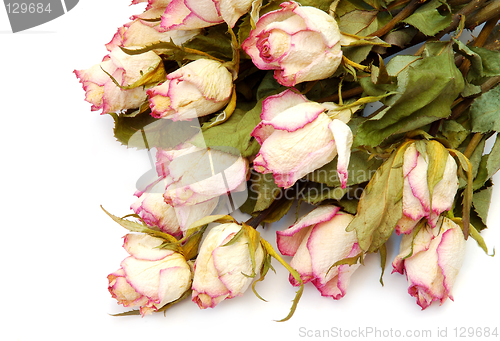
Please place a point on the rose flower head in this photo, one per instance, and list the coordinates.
(197, 89)
(431, 257)
(316, 242)
(300, 43)
(297, 136)
(227, 261)
(150, 277)
(421, 161)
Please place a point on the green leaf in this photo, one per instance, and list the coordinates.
(489, 164)
(280, 211)
(383, 261)
(349, 261)
(138, 227)
(214, 41)
(355, 53)
(485, 111)
(323, 5)
(471, 90)
(361, 169)
(350, 205)
(249, 205)
(234, 134)
(480, 240)
(476, 68)
(481, 201)
(190, 247)
(128, 313)
(244, 29)
(400, 63)
(144, 131)
(126, 127)
(314, 193)
(266, 265)
(253, 244)
(484, 62)
(380, 206)
(346, 6)
(362, 22)
(268, 86)
(401, 37)
(493, 164)
(200, 224)
(438, 156)
(428, 19)
(468, 191)
(426, 90)
(224, 115)
(490, 60)
(185, 295)
(266, 189)
(474, 233)
(454, 132)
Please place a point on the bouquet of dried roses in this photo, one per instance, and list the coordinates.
(255, 105)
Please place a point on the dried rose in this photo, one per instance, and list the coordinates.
(317, 241)
(197, 89)
(195, 175)
(153, 209)
(225, 265)
(151, 277)
(297, 137)
(131, 72)
(300, 43)
(140, 33)
(192, 14)
(431, 258)
(416, 195)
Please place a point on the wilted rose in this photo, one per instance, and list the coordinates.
(416, 195)
(197, 89)
(317, 241)
(153, 209)
(224, 267)
(431, 258)
(195, 175)
(140, 33)
(131, 72)
(300, 43)
(151, 277)
(191, 14)
(297, 137)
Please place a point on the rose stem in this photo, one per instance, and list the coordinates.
(405, 13)
(471, 7)
(473, 144)
(489, 11)
(345, 94)
(257, 220)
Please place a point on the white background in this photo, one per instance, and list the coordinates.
(60, 162)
